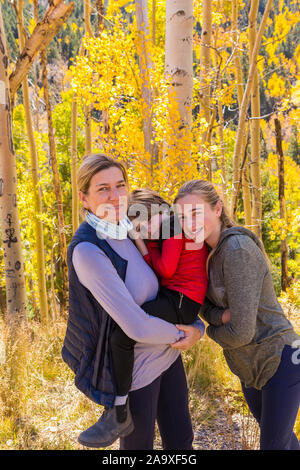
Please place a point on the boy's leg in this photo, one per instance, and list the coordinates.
(172, 306)
(122, 350)
(143, 407)
(173, 414)
(163, 306)
(115, 421)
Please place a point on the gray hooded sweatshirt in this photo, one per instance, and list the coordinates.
(240, 279)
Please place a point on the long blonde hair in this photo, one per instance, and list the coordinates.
(207, 191)
(92, 164)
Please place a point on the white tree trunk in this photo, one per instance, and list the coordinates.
(255, 131)
(145, 65)
(10, 225)
(205, 70)
(179, 74)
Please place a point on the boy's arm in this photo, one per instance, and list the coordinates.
(141, 245)
(165, 262)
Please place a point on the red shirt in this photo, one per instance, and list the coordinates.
(179, 267)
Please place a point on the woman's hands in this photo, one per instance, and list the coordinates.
(192, 335)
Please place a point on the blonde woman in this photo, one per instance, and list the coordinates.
(246, 319)
(109, 282)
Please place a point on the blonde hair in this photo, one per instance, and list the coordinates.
(92, 164)
(207, 191)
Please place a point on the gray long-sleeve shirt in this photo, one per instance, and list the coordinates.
(122, 301)
(240, 279)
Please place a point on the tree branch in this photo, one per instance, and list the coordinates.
(43, 33)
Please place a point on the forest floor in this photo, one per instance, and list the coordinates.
(43, 410)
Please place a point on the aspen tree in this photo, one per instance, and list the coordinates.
(255, 130)
(75, 198)
(16, 311)
(245, 102)
(220, 118)
(100, 12)
(145, 65)
(282, 204)
(87, 107)
(179, 74)
(56, 181)
(105, 114)
(237, 174)
(38, 225)
(206, 35)
(45, 30)
(154, 21)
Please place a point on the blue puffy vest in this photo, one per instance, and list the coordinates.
(86, 345)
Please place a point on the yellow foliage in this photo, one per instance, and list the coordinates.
(276, 86)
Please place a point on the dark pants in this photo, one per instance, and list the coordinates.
(169, 305)
(165, 399)
(276, 405)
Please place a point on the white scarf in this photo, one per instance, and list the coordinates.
(107, 229)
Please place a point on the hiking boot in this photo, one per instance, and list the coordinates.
(108, 428)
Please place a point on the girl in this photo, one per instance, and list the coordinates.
(246, 319)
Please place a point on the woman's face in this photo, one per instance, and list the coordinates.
(107, 195)
(199, 220)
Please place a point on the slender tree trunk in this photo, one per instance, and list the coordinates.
(100, 11)
(154, 22)
(246, 191)
(36, 311)
(220, 118)
(54, 305)
(105, 114)
(38, 226)
(179, 74)
(237, 176)
(145, 65)
(255, 131)
(87, 108)
(222, 150)
(56, 180)
(245, 102)
(10, 226)
(284, 246)
(205, 68)
(75, 198)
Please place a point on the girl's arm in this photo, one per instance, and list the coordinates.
(244, 272)
(97, 273)
(212, 313)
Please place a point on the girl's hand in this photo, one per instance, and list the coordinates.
(192, 335)
(226, 316)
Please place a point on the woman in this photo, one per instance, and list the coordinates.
(108, 282)
(246, 319)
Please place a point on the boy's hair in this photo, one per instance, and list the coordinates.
(153, 204)
(151, 201)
